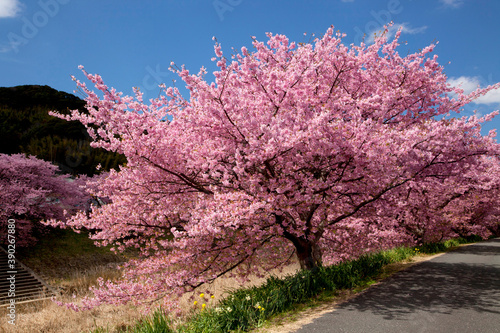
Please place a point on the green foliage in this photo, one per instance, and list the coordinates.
(26, 127)
(61, 253)
(155, 323)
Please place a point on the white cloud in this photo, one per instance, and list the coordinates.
(412, 31)
(9, 8)
(471, 83)
(5, 49)
(405, 29)
(452, 3)
(492, 97)
(467, 83)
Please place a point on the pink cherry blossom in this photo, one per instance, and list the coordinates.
(30, 191)
(319, 152)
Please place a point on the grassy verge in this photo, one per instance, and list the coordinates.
(62, 252)
(70, 261)
(248, 308)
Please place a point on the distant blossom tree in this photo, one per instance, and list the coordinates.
(463, 206)
(31, 191)
(299, 151)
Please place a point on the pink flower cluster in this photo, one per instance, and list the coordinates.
(30, 191)
(317, 151)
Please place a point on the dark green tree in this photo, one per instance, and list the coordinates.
(26, 127)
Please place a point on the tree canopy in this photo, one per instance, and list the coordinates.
(30, 191)
(312, 151)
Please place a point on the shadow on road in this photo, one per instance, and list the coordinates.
(491, 247)
(440, 285)
(458, 291)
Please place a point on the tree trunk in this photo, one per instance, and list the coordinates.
(309, 254)
(307, 248)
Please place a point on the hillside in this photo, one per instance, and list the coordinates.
(26, 127)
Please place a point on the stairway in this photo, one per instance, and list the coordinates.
(27, 286)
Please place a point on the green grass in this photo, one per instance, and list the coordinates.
(155, 323)
(61, 253)
(249, 308)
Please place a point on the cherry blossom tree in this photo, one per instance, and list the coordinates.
(455, 207)
(294, 151)
(30, 191)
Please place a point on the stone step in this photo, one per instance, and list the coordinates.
(26, 285)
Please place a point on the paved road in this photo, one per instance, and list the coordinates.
(455, 292)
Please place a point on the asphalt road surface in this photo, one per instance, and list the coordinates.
(455, 292)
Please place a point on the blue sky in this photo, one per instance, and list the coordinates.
(131, 42)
